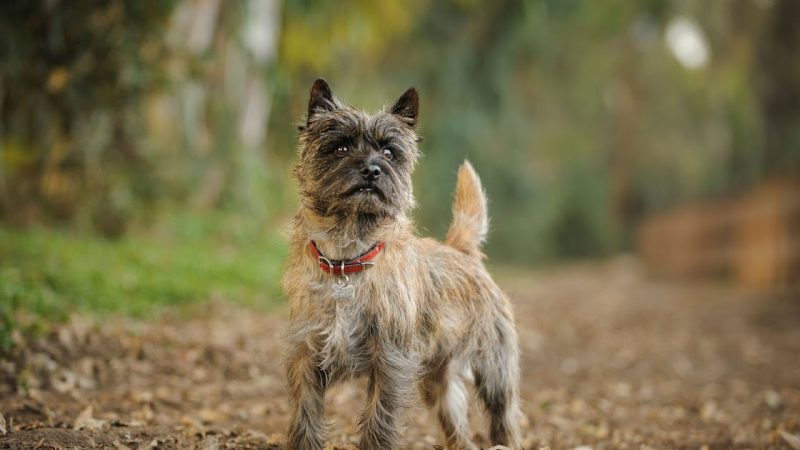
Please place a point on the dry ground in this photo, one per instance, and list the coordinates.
(611, 360)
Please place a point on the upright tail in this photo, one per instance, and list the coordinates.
(470, 219)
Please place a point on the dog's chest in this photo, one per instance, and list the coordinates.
(345, 328)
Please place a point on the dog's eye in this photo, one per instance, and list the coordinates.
(388, 153)
(342, 150)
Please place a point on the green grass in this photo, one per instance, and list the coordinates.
(45, 274)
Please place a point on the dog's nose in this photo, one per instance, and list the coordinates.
(371, 172)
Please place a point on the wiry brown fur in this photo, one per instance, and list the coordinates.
(426, 316)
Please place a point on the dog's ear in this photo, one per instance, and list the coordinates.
(407, 107)
(321, 98)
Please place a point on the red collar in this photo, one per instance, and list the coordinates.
(342, 267)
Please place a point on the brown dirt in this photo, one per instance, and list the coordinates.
(611, 360)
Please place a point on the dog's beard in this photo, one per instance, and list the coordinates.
(345, 196)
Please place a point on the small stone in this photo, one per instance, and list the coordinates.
(772, 399)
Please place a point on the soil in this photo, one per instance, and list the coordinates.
(612, 359)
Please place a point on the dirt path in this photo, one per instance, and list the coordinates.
(610, 360)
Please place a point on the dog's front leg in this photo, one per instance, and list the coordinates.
(307, 383)
(391, 384)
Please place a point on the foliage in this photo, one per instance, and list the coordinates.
(72, 77)
(576, 115)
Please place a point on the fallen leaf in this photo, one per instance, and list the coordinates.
(144, 415)
(792, 439)
(210, 443)
(209, 415)
(127, 423)
(772, 399)
(151, 444)
(119, 446)
(274, 438)
(142, 396)
(64, 381)
(709, 412)
(3, 430)
(86, 421)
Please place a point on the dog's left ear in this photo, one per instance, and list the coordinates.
(407, 107)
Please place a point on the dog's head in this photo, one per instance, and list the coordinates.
(356, 164)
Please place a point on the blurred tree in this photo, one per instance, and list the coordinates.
(72, 75)
(778, 86)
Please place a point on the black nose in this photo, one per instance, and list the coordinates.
(371, 172)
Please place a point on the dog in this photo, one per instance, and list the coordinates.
(367, 297)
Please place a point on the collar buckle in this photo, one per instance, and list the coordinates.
(323, 260)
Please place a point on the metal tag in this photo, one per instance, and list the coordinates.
(343, 291)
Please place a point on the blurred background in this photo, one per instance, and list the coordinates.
(146, 147)
(641, 157)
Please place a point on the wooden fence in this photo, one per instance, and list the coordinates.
(753, 238)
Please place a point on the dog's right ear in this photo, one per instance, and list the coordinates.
(321, 99)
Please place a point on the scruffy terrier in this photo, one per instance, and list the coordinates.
(367, 297)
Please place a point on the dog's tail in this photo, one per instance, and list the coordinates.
(470, 219)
